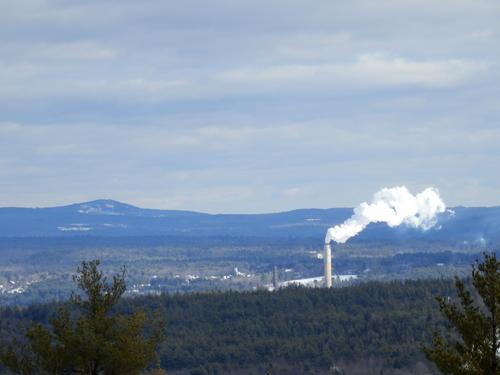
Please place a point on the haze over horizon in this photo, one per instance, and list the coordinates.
(247, 106)
(104, 200)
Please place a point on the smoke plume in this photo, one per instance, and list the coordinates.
(394, 206)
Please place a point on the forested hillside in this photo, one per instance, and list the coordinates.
(294, 330)
(115, 219)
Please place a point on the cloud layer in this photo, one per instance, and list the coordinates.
(247, 106)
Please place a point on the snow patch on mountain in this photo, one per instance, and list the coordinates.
(107, 225)
(75, 228)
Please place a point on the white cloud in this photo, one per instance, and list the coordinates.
(292, 192)
(313, 46)
(80, 50)
(368, 70)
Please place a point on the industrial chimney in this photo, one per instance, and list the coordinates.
(327, 257)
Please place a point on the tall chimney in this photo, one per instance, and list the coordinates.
(327, 257)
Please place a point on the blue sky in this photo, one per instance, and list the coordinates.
(248, 106)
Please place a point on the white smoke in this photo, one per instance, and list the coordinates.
(394, 206)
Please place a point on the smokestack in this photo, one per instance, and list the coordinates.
(327, 257)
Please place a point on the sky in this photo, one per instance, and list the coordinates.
(248, 106)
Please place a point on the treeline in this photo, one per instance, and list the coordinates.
(308, 329)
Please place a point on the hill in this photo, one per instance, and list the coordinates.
(115, 219)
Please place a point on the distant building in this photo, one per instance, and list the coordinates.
(275, 277)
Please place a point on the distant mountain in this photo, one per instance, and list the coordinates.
(112, 218)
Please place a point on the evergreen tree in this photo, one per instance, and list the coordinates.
(96, 341)
(475, 350)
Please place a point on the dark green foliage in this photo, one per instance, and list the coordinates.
(97, 341)
(383, 324)
(296, 325)
(475, 349)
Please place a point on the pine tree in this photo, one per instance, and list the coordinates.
(97, 341)
(473, 347)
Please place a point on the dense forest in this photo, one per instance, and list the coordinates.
(381, 325)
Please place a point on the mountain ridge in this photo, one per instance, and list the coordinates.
(120, 203)
(106, 217)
